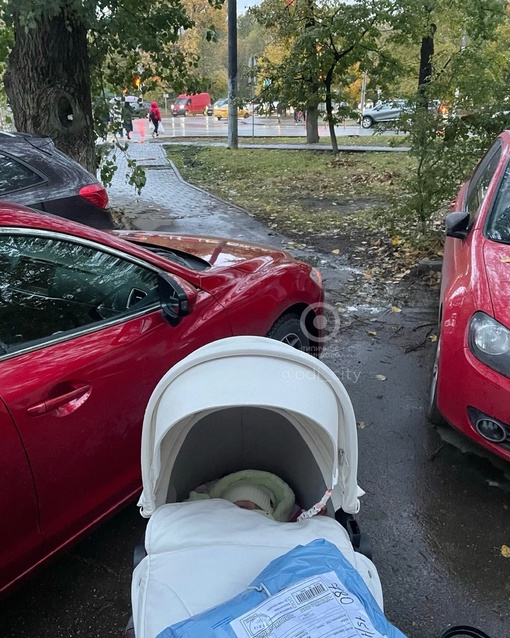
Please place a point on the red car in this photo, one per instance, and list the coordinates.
(89, 323)
(471, 380)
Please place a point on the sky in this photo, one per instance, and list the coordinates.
(242, 5)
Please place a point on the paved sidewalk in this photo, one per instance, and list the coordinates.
(170, 204)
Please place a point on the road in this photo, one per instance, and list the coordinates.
(202, 126)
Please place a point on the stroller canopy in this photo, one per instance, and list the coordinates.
(249, 403)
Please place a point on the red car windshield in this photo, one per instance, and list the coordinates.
(498, 228)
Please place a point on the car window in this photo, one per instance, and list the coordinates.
(480, 184)
(50, 286)
(498, 227)
(14, 175)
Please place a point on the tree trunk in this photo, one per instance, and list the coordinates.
(312, 112)
(425, 70)
(312, 125)
(48, 85)
(329, 110)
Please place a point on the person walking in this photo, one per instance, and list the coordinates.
(127, 119)
(155, 118)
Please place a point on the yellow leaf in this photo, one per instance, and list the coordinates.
(433, 338)
(372, 333)
(380, 377)
(395, 309)
(505, 551)
(396, 241)
(505, 260)
(361, 425)
(336, 251)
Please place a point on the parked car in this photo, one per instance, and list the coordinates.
(139, 107)
(471, 377)
(191, 104)
(217, 105)
(90, 323)
(34, 173)
(220, 110)
(384, 112)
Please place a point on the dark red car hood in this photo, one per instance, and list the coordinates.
(219, 252)
(497, 266)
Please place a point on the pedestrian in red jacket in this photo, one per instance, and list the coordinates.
(155, 117)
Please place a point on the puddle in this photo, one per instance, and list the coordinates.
(366, 309)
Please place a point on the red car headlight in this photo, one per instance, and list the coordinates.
(489, 341)
(316, 276)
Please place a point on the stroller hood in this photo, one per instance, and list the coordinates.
(241, 402)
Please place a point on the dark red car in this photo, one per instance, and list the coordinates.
(89, 323)
(471, 380)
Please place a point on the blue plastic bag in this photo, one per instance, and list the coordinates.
(334, 596)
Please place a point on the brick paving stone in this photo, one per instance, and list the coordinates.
(170, 204)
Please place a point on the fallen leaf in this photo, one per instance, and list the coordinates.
(372, 333)
(433, 338)
(336, 251)
(396, 241)
(505, 551)
(395, 309)
(380, 377)
(505, 260)
(361, 425)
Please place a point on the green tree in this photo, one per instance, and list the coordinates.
(64, 48)
(466, 73)
(324, 41)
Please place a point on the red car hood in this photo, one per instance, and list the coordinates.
(497, 266)
(219, 252)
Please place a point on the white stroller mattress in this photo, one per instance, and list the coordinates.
(202, 553)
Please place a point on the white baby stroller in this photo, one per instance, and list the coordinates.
(236, 404)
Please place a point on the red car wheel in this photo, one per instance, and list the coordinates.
(433, 414)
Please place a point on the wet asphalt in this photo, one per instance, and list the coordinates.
(436, 508)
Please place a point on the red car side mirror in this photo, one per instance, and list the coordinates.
(457, 224)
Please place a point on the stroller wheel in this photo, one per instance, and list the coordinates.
(463, 631)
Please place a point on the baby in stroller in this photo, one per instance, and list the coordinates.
(261, 492)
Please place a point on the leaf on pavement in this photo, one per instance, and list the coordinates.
(380, 377)
(336, 251)
(505, 551)
(396, 309)
(372, 333)
(433, 338)
(360, 425)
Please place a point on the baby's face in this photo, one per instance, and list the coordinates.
(247, 505)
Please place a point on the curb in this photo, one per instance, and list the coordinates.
(208, 193)
(298, 147)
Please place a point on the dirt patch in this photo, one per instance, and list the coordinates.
(331, 203)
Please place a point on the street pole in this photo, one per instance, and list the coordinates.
(252, 63)
(363, 93)
(232, 136)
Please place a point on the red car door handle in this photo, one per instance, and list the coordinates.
(57, 402)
